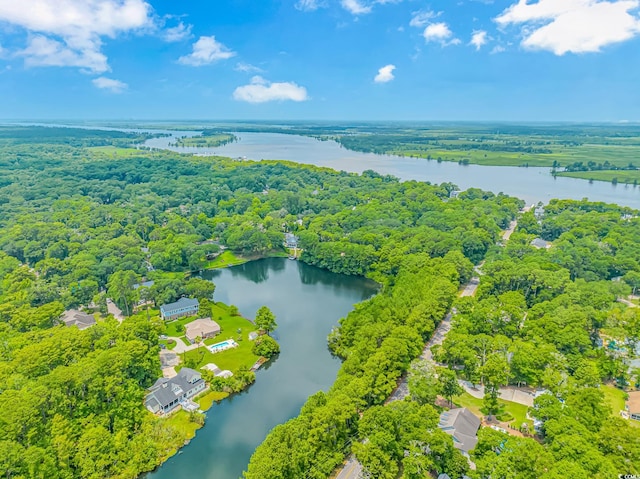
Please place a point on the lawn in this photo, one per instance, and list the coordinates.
(171, 327)
(231, 359)
(615, 398)
(227, 258)
(623, 176)
(475, 405)
(207, 400)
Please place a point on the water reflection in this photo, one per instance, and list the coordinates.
(305, 310)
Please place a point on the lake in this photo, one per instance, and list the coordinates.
(307, 302)
(530, 184)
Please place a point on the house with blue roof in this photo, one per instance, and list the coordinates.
(180, 309)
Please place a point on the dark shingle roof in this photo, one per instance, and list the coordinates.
(165, 391)
(463, 425)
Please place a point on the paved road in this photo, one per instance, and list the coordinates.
(351, 470)
(627, 302)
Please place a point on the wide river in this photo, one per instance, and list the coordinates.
(530, 184)
(307, 302)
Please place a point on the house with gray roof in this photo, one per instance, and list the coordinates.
(169, 393)
(73, 317)
(146, 284)
(539, 243)
(290, 240)
(463, 426)
(181, 308)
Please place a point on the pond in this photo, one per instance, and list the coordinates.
(307, 302)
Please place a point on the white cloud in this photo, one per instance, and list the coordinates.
(440, 32)
(77, 28)
(421, 18)
(355, 7)
(114, 86)
(205, 51)
(309, 5)
(385, 74)
(573, 26)
(261, 91)
(498, 49)
(247, 68)
(178, 33)
(42, 51)
(479, 39)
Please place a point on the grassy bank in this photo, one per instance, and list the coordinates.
(611, 176)
(226, 259)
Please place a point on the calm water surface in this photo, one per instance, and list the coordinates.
(307, 302)
(530, 184)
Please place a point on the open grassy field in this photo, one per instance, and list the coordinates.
(503, 145)
(623, 176)
(226, 259)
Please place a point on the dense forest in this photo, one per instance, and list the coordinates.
(542, 318)
(78, 224)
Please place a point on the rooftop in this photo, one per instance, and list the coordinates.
(73, 317)
(201, 327)
(181, 303)
(463, 425)
(633, 403)
(165, 391)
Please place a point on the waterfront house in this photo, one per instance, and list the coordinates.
(167, 394)
(633, 405)
(73, 317)
(203, 328)
(463, 426)
(290, 240)
(181, 308)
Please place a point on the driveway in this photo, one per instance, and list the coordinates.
(113, 309)
(181, 347)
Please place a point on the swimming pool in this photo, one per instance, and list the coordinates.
(229, 343)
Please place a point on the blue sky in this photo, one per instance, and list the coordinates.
(515, 60)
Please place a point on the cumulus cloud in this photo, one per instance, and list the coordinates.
(573, 26)
(361, 7)
(205, 51)
(178, 33)
(114, 86)
(71, 32)
(247, 68)
(385, 74)
(262, 91)
(356, 7)
(421, 18)
(440, 33)
(309, 5)
(479, 39)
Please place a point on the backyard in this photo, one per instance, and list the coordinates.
(511, 412)
(232, 359)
